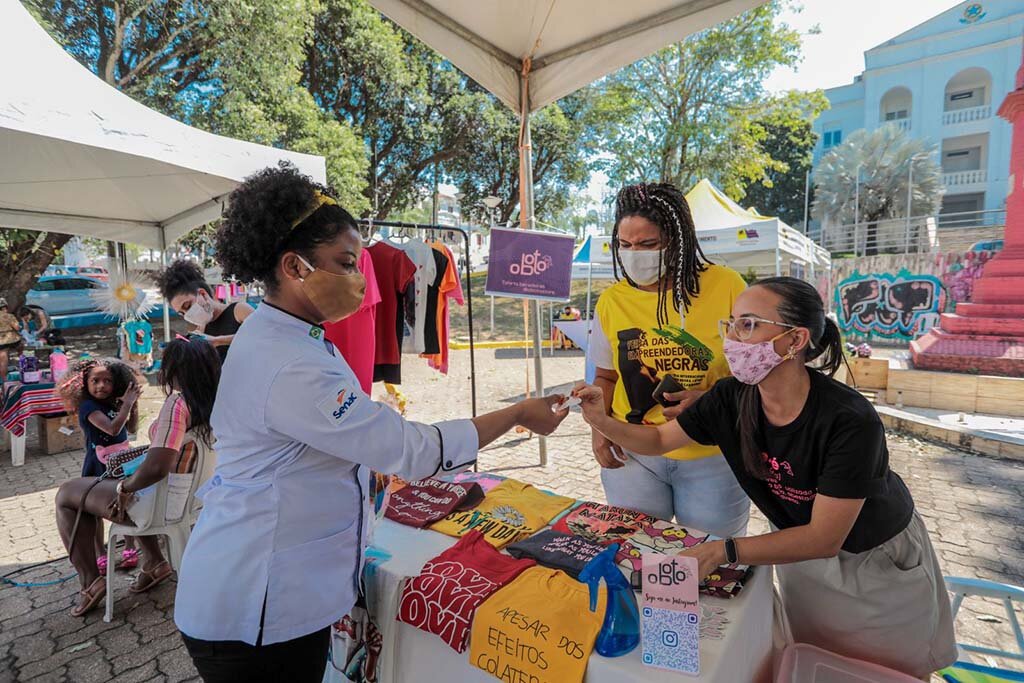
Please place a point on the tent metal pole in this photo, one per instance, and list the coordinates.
(163, 265)
(526, 222)
(590, 284)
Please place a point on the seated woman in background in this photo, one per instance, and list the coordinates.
(857, 572)
(190, 372)
(185, 290)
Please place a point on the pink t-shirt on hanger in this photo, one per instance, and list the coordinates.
(354, 336)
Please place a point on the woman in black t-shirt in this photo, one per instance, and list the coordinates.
(183, 287)
(857, 572)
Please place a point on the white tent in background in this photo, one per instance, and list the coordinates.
(530, 53)
(745, 240)
(78, 156)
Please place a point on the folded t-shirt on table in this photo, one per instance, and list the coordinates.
(510, 511)
(420, 503)
(557, 550)
(604, 524)
(443, 598)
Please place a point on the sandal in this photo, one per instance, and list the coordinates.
(149, 579)
(90, 598)
(101, 564)
(129, 559)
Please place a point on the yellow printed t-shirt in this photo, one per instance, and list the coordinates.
(539, 628)
(643, 353)
(510, 511)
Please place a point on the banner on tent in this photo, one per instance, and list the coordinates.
(756, 237)
(526, 264)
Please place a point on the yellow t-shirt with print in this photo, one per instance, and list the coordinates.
(644, 352)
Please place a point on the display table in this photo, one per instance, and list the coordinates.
(736, 637)
(19, 403)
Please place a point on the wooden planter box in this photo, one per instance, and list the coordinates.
(870, 373)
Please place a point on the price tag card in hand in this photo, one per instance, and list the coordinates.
(670, 621)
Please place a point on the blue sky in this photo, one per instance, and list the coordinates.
(848, 28)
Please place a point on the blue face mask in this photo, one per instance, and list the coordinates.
(129, 467)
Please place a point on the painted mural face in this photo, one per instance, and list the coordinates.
(903, 306)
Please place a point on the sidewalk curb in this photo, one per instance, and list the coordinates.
(462, 346)
(973, 440)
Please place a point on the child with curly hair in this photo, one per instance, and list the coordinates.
(104, 393)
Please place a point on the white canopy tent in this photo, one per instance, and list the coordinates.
(743, 239)
(77, 156)
(529, 53)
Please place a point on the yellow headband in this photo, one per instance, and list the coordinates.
(319, 199)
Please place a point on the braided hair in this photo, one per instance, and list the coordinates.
(683, 260)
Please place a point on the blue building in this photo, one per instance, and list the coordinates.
(942, 81)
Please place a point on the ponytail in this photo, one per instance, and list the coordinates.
(749, 427)
(828, 351)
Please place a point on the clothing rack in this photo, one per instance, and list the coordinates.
(469, 285)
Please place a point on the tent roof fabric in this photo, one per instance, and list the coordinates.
(81, 157)
(712, 209)
(571, 43)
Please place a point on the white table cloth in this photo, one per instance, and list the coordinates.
(735, 644)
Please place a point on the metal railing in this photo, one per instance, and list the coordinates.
(955, 116)
(904, 124)
(919, 234)
(957, 178)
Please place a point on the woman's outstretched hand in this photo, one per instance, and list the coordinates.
(539, 414)
(592, 402)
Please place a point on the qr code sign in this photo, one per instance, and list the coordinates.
(671, 640)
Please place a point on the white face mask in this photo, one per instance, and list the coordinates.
(200, 313)
(642, 266)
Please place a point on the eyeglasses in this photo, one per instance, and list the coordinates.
(744, 327)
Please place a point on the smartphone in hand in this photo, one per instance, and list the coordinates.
(670, 385)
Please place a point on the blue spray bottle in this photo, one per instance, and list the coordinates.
(620, 632)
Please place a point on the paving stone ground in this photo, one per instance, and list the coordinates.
(973, 505)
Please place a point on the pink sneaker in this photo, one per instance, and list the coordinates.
(101, 564)
(129, 559)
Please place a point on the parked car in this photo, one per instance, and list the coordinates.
(95, 272)
(62, 294)
(59, 270)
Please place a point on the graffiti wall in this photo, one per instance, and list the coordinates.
(900, 297)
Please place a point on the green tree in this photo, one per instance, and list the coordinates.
(190, 60)
(490, 165)
(884, 158)
(411, 106)
(784, 134)
(683, 113)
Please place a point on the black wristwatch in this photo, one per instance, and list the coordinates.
(730, 551)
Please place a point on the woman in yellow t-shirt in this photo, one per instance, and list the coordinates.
(661, 318)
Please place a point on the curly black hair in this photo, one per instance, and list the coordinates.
(192, 366)
(257, 226)
(73, 388)
(664, 205)
(181, 277)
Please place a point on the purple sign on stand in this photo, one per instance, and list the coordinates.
(530, 265)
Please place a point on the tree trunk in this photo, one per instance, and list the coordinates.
(28, 263)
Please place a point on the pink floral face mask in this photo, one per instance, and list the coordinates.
(751, 363)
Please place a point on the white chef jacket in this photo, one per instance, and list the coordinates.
(285, 515)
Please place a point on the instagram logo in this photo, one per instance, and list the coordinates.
(531, 264)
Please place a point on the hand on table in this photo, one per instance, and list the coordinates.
(685, 398)
(710, 556)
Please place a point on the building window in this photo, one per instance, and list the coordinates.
(832, 138)
(896, 115)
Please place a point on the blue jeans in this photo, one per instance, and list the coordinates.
(700, 494)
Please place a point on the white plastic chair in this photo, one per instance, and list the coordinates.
(177, 531)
